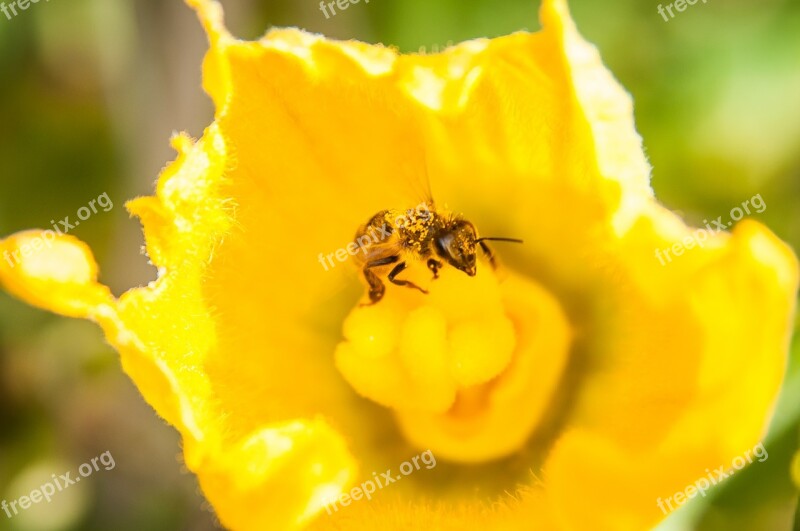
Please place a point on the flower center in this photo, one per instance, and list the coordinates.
(468, 369)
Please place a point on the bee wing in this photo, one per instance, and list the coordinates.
(416, 182)
(378, 248)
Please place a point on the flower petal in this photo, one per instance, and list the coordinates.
(530, 137)
(52, 271)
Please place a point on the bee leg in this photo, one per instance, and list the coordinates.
(489, 254)
(376, 287)
(434, 265)
(396, 271)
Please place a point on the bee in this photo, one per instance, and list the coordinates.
(395, 237)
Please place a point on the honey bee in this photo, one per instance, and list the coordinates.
(395, 237)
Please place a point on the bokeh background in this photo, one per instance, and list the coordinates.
(91, 90)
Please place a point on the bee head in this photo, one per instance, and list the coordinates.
(456, 245)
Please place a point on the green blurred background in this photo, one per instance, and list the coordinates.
(91, 90)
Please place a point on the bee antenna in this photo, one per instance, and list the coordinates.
(513, 240)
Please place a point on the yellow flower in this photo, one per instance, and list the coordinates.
(570, 390)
